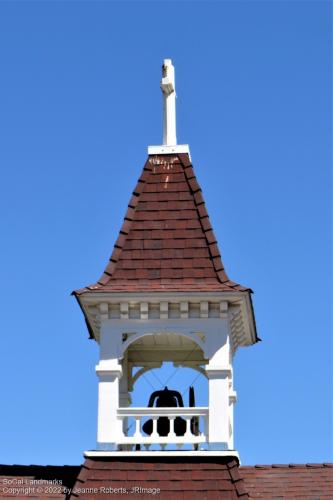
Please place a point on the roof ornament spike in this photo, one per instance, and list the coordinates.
(168, 87)
(169, 103)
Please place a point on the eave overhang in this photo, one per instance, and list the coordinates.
(95, 307)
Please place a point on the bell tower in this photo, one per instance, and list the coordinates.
(165, 296)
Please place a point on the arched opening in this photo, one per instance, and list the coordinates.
(159, 360)
(162, 359)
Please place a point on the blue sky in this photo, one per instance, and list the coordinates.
(80, 102)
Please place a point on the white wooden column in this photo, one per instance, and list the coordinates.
(109, 371)
(108, 425)
(219, 411)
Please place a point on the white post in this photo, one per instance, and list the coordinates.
(232, 401)
(219, 411)
(169, 103)
(109, 427)
(109, 371)
(124, 395)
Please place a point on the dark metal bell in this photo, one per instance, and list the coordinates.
(165, 399)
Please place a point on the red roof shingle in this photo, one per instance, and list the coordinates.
(37, 481)
(176, 478)
(166, 242)
(307, 481)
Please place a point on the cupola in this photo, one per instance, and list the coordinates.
(165, 297)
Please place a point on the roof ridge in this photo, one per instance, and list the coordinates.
(288, 465)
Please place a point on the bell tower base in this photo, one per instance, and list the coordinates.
(164, 475)
(185, 453)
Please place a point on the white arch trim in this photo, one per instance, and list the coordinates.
(136, 336)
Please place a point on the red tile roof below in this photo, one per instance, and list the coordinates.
(166, 242)
(187, 478)
(307, 482)
(37, 481)
(179, 478)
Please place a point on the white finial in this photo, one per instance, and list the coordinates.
(169, 103)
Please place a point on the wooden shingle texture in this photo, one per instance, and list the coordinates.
(194, 478)
(298, 482)
(166, 242)
(43, 482)
(176, 479)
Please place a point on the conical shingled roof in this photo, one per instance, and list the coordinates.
(166, 242)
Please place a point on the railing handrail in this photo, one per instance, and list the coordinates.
(158, 412)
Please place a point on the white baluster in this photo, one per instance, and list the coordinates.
(188, 432)
(172, 433)
(154, 433)
(137, 427)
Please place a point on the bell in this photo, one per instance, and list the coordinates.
(164, 399)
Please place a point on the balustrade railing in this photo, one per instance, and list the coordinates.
(193, 429)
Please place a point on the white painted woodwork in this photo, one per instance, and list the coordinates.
(168, 150)
(184, 310)
(235, 307)
(144, 310)
(164, 310)
(223, 310)
(124, 310)
(108, 425)
(202, 343)
(104, 311)
(169, 103)
(196, 330)
(158, 453)
(232, 401)
(204, 309)
(186, 413)
(219, 415)
(168, 87)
